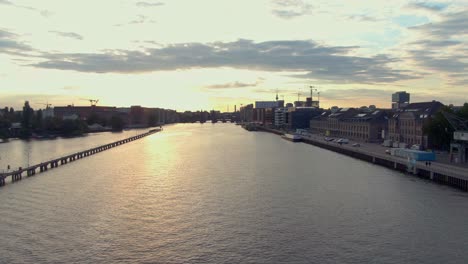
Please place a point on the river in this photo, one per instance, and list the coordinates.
(219, 194)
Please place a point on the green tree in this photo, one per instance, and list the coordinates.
(463, 113)
(439, 130)
(71, 128)
(4, 126)
(28, 114)
(38, 121)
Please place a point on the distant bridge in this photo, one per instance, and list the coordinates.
(17, 175)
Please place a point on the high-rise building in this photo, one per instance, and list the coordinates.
(400, 100)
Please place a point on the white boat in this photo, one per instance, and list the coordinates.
(292, 137)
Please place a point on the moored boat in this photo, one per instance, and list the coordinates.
(292, 137)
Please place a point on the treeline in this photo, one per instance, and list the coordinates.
(34, 123)
(439, 128)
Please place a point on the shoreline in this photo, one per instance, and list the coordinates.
(446, 174)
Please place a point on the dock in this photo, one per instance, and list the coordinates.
(18, 175)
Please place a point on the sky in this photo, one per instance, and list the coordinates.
(214, 54)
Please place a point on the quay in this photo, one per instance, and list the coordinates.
(442, 173)
(51, 164)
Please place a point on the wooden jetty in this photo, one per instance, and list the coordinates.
(17, 175)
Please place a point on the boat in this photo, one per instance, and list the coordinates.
(292, 137)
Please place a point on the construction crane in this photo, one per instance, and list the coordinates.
(312, 89)
(93, 102)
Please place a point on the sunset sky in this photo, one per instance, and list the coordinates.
(208, 54)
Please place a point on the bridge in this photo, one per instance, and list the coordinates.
(18, 175)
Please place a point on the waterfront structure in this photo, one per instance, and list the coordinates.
(365, 126)
(406, 125)
(281, 117)
(84, 112)
(269, 104)
(264, 116)
(246, 113)
(134, 116)
(48, 113)
(311, 103)
(299, 117)
(264, 112)
(400, 100)
(17, 175)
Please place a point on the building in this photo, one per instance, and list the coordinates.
(264, 116)
(269, 104)
(299, 117)
(406, 125)
(48, 113)
(264, 111)
(351, 123)
(281, 117)
(246, 113)
(84, 112)
(400, 100)
(310, 103)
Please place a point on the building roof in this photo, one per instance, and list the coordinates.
(419, 110)
(352, 114)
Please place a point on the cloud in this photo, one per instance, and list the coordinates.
(453, 24)
(433, 7)
(363, 18)
(5, 2)
(149, 4)
(305, 58)
(10, 45)
(232, 85)
(140, 19)
(68, 35)
(356, 94)
(45, 13)
(444, 47)
(288, 9)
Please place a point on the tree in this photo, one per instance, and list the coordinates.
(463, 113)
(439, 130)
(73, 127)
(4, 125)
(38, 121)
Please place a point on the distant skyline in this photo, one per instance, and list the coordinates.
(208, 54)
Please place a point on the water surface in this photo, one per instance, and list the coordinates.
(219, 194)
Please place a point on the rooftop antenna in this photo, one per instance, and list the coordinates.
(276, 94)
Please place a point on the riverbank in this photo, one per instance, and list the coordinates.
(447, 174)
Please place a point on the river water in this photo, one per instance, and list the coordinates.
(219, 194)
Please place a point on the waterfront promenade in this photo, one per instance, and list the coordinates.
(456, 176)
(18, 174)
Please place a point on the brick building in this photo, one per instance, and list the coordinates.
(365, 126)
(406, 125)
